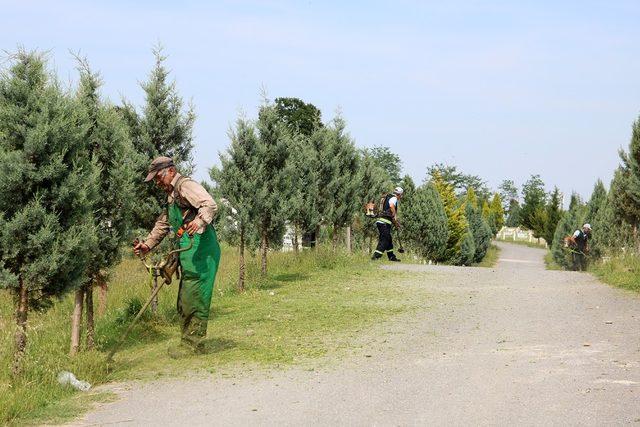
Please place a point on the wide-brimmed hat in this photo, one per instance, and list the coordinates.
(157, 165)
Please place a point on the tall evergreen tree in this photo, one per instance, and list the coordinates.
(553, 213)
(164, 128)
(272, 183)
(340, 194)
(458, 180)
(112, 152)
(497, 211)
(426, 223)
(478, 226)
(595, 202)
(457, 225)
(303, 169)
(534, 198)
(513, 217)
(508, 193)
(46, 191)
(237, 181)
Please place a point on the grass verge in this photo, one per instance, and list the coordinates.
(550, 263)
(622, 271)
(491, 257)
(309, 305)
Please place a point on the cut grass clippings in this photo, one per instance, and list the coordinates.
(308, 306)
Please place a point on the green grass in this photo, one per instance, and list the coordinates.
(491, 257)
(310, 305)
(523, 243)
(622, 271)
(550, 263)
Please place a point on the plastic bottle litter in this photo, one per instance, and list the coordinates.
(65, 378)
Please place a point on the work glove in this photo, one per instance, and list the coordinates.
(140, 248)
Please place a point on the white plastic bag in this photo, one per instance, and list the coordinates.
(65, 378)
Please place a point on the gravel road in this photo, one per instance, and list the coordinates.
(514, 344)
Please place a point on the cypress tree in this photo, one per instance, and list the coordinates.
(111, 150)
(272, 180)
(302, 205)
(596, 201)
(513, 217)
(46, 192)
(163, 129)
(340, 194)
(553, 213)
(425, 222)
(457, 225)
(478, 226)
(489, 217)
(497, 211)
(237, 181)
(534, 201)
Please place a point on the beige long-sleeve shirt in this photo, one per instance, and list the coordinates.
(189, 194)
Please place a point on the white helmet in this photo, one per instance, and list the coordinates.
(587, 226)
(399, 191)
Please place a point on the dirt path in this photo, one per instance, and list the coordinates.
(511, 345)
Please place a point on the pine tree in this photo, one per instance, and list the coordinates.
(595, 202)
(425, 222)
(237, 181)
(553, 213)
(272, 180)
(478, 226)
(163, 129)
(611, 233)
(457, 225)
(112, 152)
(46, 195)
(534, 198)
(489, 217)
(340, 195)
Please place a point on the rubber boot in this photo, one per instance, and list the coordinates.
(392, 256)
(376, 256)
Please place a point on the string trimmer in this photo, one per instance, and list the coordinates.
(401, 248)
(162, 269)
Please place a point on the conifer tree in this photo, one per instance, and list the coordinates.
(457, 224)
(272, 180)
(497, 211)
(163, 129)
(513, 217)
(478, 226)
(426, 223)
(303, 168)
(111, 151)
(553, 213)
(340, 195)
(595, 202)
(534, 198)
(46, 195)
(489, 217)
(237, 181)
(611, 232)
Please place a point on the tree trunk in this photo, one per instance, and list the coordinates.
(335, 238)
(76, 321)
(349, 238)
(295, 239)
(263, 248)
(241, 268)
(102, 295)
(21, 330)
(91, 336)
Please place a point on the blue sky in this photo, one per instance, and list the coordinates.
(501, 89)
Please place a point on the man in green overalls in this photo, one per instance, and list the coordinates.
(190, 208)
